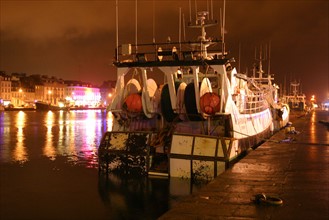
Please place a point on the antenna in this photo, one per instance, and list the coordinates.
(223, 29)
(196, 12)
(221, 23)
(117, 30)
(184, 27)
(285, 85)
(260, 72)
(300, 88)
(180, 28)
(208, 9)
(239, 55)
(269, 58)
(136, 26)
(189, 5)
(153, 21)
(212, 10)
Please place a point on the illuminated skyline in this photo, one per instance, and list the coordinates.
(76, 39)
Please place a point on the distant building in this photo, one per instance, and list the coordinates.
(19, 94)
(107, 90)
(20, 89)
(5, 88)
(82, 94)
(51, 91)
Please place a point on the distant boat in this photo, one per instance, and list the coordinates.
(43, 106)
(296, 99)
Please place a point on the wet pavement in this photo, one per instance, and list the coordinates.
(291, 166)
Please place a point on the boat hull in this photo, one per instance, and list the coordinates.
(185, 152)
(200, 157)
(41, 106)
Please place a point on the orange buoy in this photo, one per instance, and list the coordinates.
(133, 103)
(210, 103)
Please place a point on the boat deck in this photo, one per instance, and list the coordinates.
(292, 166)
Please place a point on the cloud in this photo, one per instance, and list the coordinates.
(52, 19)
(77, 38)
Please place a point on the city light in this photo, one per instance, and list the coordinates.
(313, 98)
(61, 104)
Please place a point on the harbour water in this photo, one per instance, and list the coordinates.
(49, 170)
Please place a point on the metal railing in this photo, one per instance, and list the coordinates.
(255, 103)
(172, 51)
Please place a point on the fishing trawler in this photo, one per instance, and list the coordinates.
(296, 99)
(44, 106)
(279, 108)
(193, 122)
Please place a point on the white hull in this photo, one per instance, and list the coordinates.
(204, 157)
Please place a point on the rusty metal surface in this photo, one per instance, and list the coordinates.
(124, 152)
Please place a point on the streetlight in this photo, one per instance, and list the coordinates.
(20, 100)
(109, 98)
(313, 98)
(49, 96)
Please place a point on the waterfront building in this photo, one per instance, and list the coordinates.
(51, 90)
(22, 90)
(82, 94)
(5, 88)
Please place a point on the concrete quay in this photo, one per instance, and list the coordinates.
(291, 166)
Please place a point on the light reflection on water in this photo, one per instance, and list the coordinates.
(49, 149)
(313, 128)
(57, 153)
(20, 153)
(73, 134)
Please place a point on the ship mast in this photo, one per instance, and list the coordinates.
(202, 23)
(117, 30)
(136, 47)
(223, 30)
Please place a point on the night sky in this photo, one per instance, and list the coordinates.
(76, 39)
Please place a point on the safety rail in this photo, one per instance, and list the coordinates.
(173, 51)
(254, 104)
